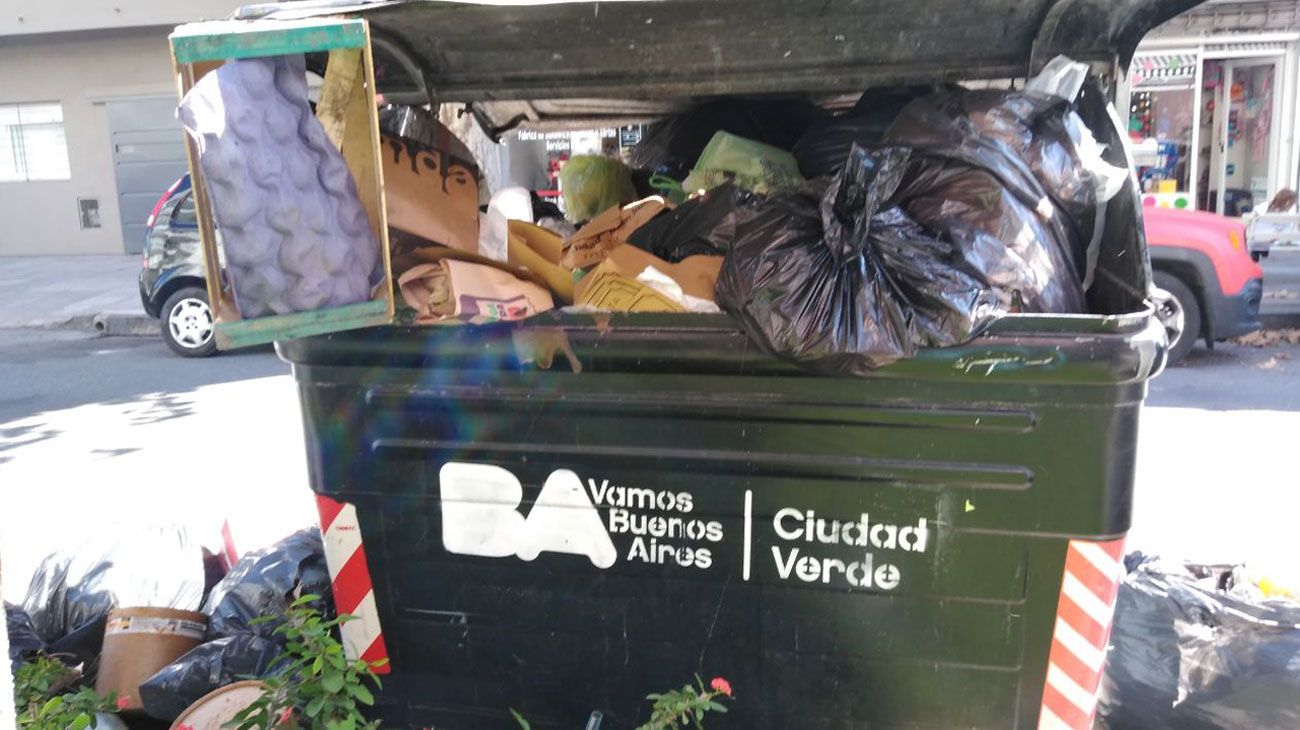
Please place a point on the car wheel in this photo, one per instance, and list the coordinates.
(187, 323)
(1180, 314)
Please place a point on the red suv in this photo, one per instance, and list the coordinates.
(1201, 260)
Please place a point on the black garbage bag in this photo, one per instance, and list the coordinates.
(823, 149)
(265, 582)
(672, 146)
(23, 639)
(703, 225)
(205, 668)
(834, 277)
(72, 592)
(1187, 655)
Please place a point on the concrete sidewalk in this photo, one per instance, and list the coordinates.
(76, 292)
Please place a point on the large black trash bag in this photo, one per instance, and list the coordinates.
(702, 225)
(23, 639)
(265, 582)
(809, 276)
(1186, 655)
(72, 592)
(205, 668)
(1026, 205)
(672, 146)
(823, 149)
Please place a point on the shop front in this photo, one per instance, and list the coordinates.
(1212, 120)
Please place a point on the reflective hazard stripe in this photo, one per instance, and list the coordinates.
(1084, 610)
(350, 577)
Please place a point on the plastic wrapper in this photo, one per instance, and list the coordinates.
(23, 639)
(205, 668)
(592, 184)
(265, 582)
(1187, 655)
(72, 592)
(750, 165)
(808, 275)
(671, 147)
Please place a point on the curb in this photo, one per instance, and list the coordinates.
(124, 325)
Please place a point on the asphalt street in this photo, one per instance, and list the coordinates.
(99, 436)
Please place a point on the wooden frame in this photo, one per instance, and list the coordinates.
(347, 110)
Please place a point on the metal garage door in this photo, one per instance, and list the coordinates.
(148, 156)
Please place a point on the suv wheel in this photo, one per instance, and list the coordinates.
(187, 323)
(1179, 313)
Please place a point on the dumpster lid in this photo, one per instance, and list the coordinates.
(666, 51)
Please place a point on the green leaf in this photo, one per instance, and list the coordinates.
(304, 600)
(362, 694)
(520, 719)
(52, 704)
(332, 682)
(313, 707)
(81, 723)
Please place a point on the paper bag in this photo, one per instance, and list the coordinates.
(592, 242)
(476, 293)
(614, 284)
(430, 192)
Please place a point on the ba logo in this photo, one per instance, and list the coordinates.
(480, 516)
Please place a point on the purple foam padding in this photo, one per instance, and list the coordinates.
(294, 233)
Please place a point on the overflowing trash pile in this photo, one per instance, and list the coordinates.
(151, 617)
(1200, 647)
(839, 242)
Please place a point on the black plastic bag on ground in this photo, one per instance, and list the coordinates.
(72, 592)
(1185, 655)
(703, 225)
(672, 146)
(23, 639)
(808, 273)
(205, 668)
(265, 582)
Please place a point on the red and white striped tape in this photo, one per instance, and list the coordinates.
(1083, 615)
(353, 592)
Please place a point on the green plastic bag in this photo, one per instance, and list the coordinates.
(593, 184)
(751, 165)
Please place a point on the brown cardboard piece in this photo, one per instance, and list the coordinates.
(538, 250)
(430, 193)
(613, 285)
(450, 288)
(610, 229)
(138, 641)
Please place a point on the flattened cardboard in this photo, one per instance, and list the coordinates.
(538, 250)
(430, 193)
(592, 242)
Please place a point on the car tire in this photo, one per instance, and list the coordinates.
(1181, 299)
(186, 323)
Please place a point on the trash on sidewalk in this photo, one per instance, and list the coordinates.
(592, 184)
(261, 584)
(23, 639)
(294, 232)
(1189, 650)
(72, 593)
(217, 709)
(138, 641)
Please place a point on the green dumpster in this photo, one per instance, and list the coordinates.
(562, 515)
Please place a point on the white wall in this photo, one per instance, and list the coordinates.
(80, 71)
(59, 16)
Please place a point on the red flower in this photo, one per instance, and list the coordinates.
(184, 727)
(123, 703)
(721, 685)
(285, 716)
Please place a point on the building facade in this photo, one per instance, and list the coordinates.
(1213, 106)
(88, 137)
